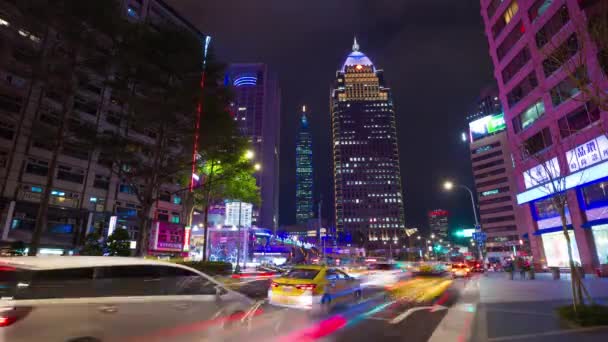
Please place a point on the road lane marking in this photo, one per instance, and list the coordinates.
(410, 311)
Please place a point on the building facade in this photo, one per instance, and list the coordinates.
(86, 194)
(304, 171)
(439, 223)
(554, 130)
(494, 177)
(256, 108)
(367, 181)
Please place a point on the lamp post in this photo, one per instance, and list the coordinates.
(449, 186)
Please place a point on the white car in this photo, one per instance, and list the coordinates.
(78, 298)
(383, 274)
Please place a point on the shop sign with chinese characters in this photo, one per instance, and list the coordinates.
(587, 154)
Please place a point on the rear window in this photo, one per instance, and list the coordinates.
(302, 273)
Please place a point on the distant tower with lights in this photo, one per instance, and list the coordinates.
(367, 180)
(304, 171)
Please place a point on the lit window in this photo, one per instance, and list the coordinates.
(511, 11)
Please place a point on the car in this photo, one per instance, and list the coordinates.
(82, 298)
(383, 274)
(476, 268)
(314, 287)
(460, 270)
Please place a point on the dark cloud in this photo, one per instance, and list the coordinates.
(435, 59)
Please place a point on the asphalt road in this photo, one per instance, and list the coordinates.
(409, 312)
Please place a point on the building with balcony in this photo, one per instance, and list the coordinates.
(86, 194)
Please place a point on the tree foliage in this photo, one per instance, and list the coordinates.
(157, 80)
(93, 245)
(118, 244)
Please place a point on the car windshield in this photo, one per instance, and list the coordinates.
(301, 273)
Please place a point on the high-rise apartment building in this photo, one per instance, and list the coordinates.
(367, 180)
(304, 171)
(86, 193)
(256, 108)
(494, 177)
(439, 223)
(539, 47)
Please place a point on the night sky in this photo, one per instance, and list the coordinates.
(435, 57)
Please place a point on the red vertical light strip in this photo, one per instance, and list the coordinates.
(199, 112)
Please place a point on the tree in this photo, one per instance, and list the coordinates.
(93, 245)
(118, 244)
(72, 31)
(550, 178)
(157, 79)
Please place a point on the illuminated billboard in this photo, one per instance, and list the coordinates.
(486, 126)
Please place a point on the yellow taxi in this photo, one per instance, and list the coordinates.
(313, 287)
(460, 270)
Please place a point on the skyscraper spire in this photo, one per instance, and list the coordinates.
(355, 45)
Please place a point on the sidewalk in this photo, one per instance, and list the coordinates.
(524, 310)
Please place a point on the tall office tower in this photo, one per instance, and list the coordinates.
(438, 223)
(304, 171)
(539, 47)
(487, 103)
(86, 193)
(256, 108)
(367, 180)
(494, 177)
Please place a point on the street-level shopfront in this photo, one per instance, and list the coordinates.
(592, 201)
(169, 239)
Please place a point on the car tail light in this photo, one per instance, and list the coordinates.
(274, 285)
(306, 287)
(11, 315)
(6, 321)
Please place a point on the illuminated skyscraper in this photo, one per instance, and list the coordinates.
(256, 108)
(367, 181)
(304, 175)
(438, 223)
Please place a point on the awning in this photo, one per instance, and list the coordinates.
(551, 230)
(588, 224)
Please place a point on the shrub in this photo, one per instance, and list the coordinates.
(586, 315)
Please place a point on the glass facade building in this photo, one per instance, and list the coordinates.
(256, 108)
(367, 180)
(304, 172)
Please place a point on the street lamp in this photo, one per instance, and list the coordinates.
(418, 237)
(432, 236)
(448, 185)
(249, 154)
(257, 166)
